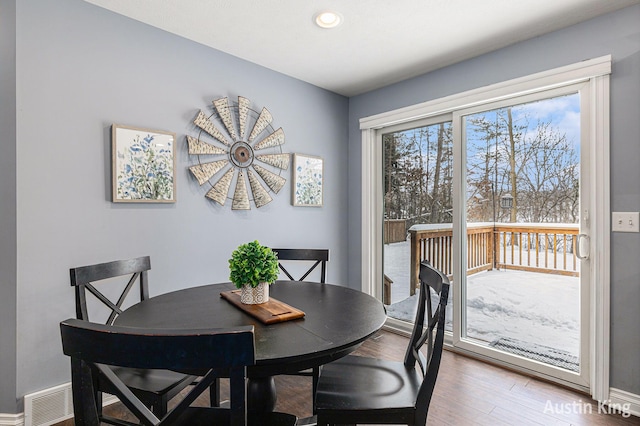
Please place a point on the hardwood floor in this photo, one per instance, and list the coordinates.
(468, 392)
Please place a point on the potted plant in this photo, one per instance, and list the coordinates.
(253, 267)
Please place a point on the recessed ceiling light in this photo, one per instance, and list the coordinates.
(327, 19)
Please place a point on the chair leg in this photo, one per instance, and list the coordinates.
(214, 393)
(84, 394)
(98, 397)
(160, 407)
(316, 377)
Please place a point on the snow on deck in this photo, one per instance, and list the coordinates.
(537, 308)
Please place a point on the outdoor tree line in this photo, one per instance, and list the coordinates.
(509, 153)
(418, 174)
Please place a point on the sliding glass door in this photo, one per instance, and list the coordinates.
(505, 189)
(522, 295)
(492, 196)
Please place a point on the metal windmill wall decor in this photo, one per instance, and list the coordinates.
(231, 155)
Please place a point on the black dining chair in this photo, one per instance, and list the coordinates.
(116, 280)
(310, 259)
(357, 389)
(210, 353)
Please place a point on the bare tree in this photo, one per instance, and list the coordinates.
(418, 174)
(548, 181)
(507, 154)
(536, 165)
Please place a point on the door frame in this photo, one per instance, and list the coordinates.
(596, 73)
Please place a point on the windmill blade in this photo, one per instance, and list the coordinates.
(222, 106)
(203, 172)
(205, 124)
(260, 195)
(280, 161)
(244, 105)
(274, 139)
(261, 123)
(241, 196)
(220, 190)
(273, 181)
(197, 147)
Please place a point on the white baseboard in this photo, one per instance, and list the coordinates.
(11, 419)
(630, 402)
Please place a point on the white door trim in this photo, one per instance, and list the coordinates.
(600, 238)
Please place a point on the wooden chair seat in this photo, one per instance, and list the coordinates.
(385, 387)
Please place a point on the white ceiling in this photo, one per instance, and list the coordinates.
(380, 41)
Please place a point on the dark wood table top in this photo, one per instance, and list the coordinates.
(337, 319)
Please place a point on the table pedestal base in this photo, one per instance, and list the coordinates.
(261, 394)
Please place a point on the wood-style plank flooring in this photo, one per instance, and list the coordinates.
(468, 392)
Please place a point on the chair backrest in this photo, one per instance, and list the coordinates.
(84, 280)
(426, 321)
(316, 257)
(217, 352)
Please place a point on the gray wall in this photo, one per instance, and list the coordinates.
(7, 205)
(81, 68)
(617, 34)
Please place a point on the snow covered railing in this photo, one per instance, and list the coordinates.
(541, 247)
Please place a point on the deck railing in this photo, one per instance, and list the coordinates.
(541, 247)
(395, 230)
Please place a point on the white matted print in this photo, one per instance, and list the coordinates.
(308, 178)
(143, 165)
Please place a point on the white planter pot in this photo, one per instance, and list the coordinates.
(255, 295)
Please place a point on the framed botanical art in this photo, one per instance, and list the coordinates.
(308, 177)
(143, 165)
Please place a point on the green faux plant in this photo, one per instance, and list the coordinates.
(252, 264)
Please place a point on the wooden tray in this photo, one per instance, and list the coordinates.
(270, 312)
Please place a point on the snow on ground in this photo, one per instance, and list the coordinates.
(537, 308)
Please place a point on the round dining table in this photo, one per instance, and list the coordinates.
(336, 321)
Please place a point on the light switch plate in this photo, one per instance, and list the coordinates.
(625, 221)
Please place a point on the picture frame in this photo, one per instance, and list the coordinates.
(143, 165)
(308, 181)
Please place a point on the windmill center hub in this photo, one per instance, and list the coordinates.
(241, 154)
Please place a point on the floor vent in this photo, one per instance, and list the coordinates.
(52, 405)
(48, 406)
